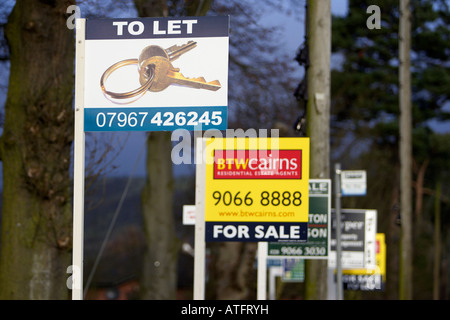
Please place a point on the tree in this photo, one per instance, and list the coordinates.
(158, 280)
(365, 103)
(405, 150)
(256, 75)
(318, 118)
(35, 151)
(159, 271)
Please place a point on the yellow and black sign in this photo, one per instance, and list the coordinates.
(257, 189)
(368, 279)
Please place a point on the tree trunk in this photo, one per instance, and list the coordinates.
(406, 248)
(437, 243)
(159, 273)
(232, 271)
(318, 113)
(35, 150)
(419, 191)
(159, 278)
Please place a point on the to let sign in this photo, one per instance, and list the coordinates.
(156, 74)
(257, 189)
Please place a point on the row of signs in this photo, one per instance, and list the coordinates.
(363, 279)
(359, 240)
(148, 74)
(260, 192)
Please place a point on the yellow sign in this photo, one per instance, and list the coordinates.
(257, 189)
(369, 279)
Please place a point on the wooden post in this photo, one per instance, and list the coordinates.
(437, 242)
(405, 272)
(318, 122)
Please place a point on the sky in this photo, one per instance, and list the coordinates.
(131, 159)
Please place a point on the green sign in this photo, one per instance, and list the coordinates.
(318, 244)
(293, 270)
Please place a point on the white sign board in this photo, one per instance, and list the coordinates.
(189, 215)
(136, 80)
(353, 183)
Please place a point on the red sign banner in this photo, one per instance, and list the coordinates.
(257, 164)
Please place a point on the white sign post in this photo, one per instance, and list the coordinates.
(199, 245)
(78, 167)
(262, 271)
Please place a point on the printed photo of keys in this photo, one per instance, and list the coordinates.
(156, 71)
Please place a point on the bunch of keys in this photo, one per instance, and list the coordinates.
(156, 72)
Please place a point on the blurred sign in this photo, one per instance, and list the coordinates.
(318, 243)
(189, 214)
(353, 183)
(358, 238)
(293, 270)
(368, 279)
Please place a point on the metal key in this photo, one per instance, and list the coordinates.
(159, 61)
(165, 75)
(172, 53)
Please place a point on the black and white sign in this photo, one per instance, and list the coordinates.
(358, 238)
(110, 41)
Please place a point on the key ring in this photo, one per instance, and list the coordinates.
(125, 95)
